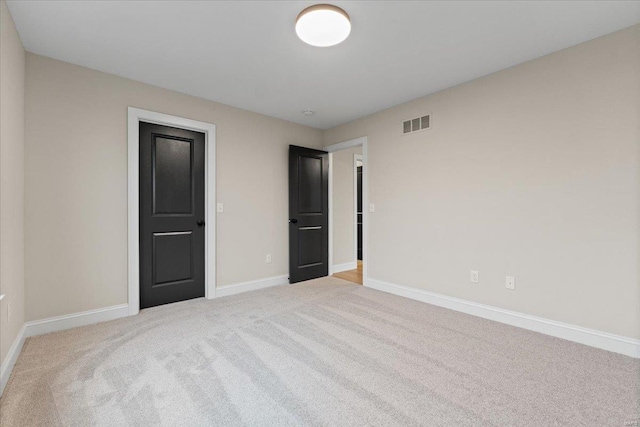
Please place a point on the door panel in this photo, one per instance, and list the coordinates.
(172, 258)
(310, 185)
(310, 238)
(308, 213)
(172, 173)
(171, 206)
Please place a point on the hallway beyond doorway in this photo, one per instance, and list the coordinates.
(351, 275)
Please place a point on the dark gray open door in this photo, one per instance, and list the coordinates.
(359, 211)
(171, 214)
(308, 213)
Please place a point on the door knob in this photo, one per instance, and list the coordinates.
(200, 223)
(293, 221)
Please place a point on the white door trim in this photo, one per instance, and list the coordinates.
(356, 157)
(135, 116)
(364, 143)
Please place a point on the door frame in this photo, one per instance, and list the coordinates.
(364, 143)
(357, 157)
(134, 117)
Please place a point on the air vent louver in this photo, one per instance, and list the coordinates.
(415, 125)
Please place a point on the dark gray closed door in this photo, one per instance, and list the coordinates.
(308, 213)
(171, 215)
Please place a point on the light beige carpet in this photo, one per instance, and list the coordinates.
(324, 352)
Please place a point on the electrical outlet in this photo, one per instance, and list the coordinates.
(9, 312)
(511, 283)
(372, 207)
(475, 276)
(269, 259)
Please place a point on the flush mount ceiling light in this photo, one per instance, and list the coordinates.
(323, 25)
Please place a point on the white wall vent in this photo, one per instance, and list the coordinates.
(417, 124)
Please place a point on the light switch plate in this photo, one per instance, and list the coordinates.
(372, 207)
(220, 207)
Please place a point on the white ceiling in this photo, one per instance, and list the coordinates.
(247, 54)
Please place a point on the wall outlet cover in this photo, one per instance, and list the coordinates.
(475, 276)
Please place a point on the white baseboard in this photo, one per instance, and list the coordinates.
(68, 321)
(603, 340)
(251, 285)
(11, 358)
(54, 324)
(337, 268)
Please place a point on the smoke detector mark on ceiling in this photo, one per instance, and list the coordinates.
(416, 125)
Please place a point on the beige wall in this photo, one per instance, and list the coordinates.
(12, 59)
(343, 206)
(76, 185)
(533, 172)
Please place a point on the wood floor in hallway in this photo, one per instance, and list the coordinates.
(354, 276)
